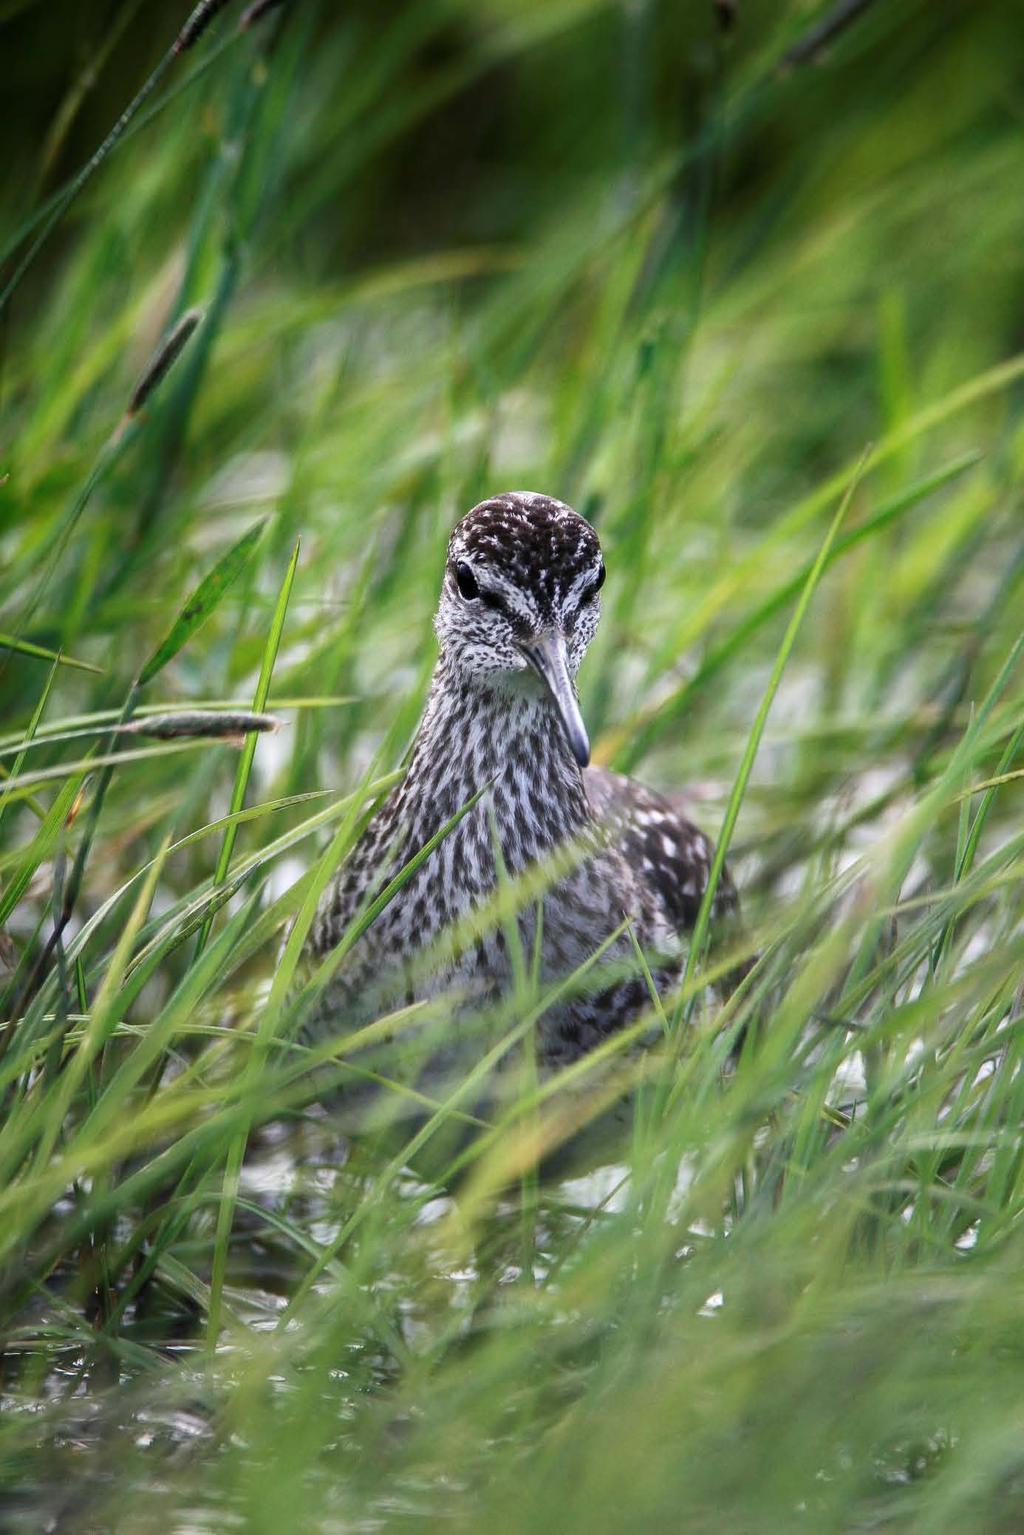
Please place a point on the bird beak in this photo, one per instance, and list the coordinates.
(548, 658)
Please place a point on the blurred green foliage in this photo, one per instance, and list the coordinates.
(627, 256)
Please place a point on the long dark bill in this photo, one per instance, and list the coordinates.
(548, 658)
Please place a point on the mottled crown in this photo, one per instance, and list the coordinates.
(535, 542)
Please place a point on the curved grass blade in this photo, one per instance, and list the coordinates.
(66, 197)
(202, 602)
(270, 650)
(106, 1013)
(699, 936)
(30, 857)
(30, 735)
(640, 733)
(40, 653)
(25, 782)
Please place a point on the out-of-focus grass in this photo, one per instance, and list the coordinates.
(605, 252)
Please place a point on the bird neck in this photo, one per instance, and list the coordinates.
(476, 734)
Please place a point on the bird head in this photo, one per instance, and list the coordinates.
(519, 603)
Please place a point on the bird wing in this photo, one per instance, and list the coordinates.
(671, 855)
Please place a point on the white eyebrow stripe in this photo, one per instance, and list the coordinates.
(583, 582)
(509, 595)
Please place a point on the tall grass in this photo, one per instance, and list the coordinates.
(622, 256)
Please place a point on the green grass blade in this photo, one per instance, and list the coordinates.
(203, 601)
(40, 653)
(698, 939)
(270, 650)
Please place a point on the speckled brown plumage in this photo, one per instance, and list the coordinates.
(518, 607)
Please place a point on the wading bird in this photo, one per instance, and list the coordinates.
(519, 605)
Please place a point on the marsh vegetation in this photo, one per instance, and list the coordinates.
(761, 322)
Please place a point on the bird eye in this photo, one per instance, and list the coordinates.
(597, 583)
(465, 580)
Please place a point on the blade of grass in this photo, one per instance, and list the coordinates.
(40, 653)
(699, 936)
(202, 603)
(30, 735)
(105, 1014)
(270, 650)
(638, 734)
